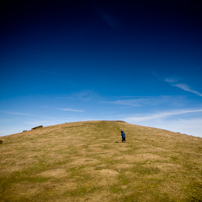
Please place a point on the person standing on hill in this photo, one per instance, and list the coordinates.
(123, 136)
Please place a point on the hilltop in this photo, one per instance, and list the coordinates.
(86, 161)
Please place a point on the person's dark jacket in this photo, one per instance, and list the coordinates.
(123, 134)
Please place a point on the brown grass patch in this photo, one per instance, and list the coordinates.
(54, 173)
(82, 162)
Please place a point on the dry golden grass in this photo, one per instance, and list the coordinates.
(82, 162)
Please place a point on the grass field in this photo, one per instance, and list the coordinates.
(83, 162)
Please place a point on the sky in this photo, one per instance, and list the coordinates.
(69, 61)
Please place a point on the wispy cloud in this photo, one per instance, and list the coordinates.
(85, 95)
(64, 109)
(190, 126)
(171, 80)
(107, 18)
(183, 86)
(187, 88)
(16, 113)
(160, 115)
(130, 102)
(53, 121)
(148, 100)
(71, 110)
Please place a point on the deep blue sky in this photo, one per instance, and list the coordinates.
(64, 61)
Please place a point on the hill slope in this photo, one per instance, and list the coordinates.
(82, 162)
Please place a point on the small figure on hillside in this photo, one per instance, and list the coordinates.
(123, 136)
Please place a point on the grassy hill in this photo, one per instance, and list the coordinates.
(83, 162)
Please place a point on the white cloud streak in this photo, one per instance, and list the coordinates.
(130, 102)
(187, 88)
(16, 113)
(71, 110)
(155, 100)
(65, 109)
(48, 122)
(190, 126)
(160, 115)
(85, 95)
(183, 86)
(171, 80)
(107, 18)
